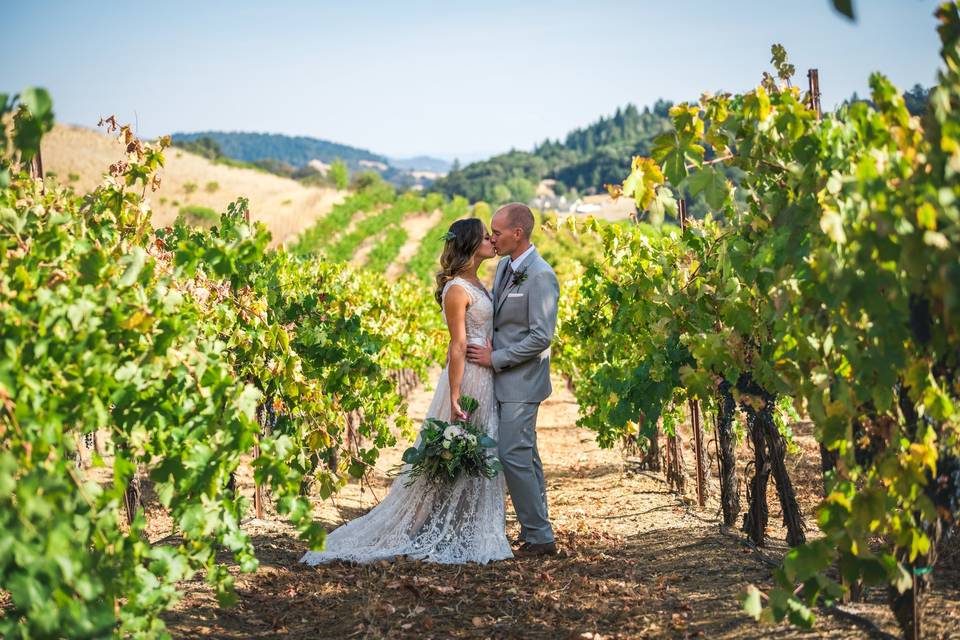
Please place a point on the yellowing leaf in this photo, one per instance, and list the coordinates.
(924, 455)
(832, 224)
(640, 185)
(927, 216)
(839, 498)
(134, 321)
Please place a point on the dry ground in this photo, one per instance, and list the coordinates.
(285, 206)
(636, 561)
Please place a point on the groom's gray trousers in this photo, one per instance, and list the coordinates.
(523, 470)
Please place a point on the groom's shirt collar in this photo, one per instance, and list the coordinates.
(515, 264)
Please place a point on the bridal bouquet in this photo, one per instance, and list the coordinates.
(448, 449)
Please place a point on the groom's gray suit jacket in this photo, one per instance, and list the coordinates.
(524, 321)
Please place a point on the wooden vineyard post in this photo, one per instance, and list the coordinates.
(695, 423)
(36, 169)
(813, 77)
(698, 451)
(674, 464)
(257, 492)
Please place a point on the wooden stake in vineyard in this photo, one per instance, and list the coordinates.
(36, 169)
(813, 77)
(694, 405)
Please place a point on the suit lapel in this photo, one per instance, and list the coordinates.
(503, 295)
(497, 276)
(501, 271)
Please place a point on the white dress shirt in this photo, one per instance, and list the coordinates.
(515, 264)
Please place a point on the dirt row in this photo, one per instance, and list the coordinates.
(636, 561)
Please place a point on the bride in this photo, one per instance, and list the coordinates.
(456, 522)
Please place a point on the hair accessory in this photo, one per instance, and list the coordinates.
(450, 235)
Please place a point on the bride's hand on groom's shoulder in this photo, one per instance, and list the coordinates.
(480, 354)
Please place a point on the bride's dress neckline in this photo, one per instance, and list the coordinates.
(476, 285)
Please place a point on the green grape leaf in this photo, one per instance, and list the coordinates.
(844, 7)
(751, 602)
(37, 101)
(713, 184)
(134, 262)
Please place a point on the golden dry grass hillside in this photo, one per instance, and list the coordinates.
(80, 157)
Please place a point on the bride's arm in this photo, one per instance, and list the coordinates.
(455, 308)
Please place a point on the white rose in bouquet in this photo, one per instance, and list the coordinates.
(452, 432)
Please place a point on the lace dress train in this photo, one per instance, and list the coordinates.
(452, 523)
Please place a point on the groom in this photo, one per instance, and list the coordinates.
(525, 294)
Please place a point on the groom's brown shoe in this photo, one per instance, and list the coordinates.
(532, 549)
(517, 542)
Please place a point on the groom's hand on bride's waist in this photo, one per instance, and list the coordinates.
(480, 354)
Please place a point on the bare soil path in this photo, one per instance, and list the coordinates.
(636, 561)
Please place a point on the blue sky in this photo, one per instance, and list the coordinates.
(445, 78)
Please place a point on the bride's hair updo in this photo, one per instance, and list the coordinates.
(462, 241)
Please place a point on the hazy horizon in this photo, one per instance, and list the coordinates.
(428, 78)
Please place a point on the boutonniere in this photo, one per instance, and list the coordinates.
(519, 276)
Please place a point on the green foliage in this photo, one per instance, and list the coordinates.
(189, 187)
(426, 261)
(195, 215)
(387, 249)
(211, 187)
(347, 245)
(366, 180)
(170, 342)
(203, 146)
(32, 117)
(586, 160)
(339, 173)
(482, 210)
(326, 228)
(844, 7)
(833, 281)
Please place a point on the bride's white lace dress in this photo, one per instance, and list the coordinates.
(450, 523)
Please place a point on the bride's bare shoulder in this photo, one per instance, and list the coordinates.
(455, 293)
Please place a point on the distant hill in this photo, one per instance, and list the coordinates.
(421, 163)
(296, 151)
(299, 156)
(80, 157)
(585, 160)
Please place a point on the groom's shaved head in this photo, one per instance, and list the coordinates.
(517, 215)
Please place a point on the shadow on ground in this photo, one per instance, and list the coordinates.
(666, 583)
